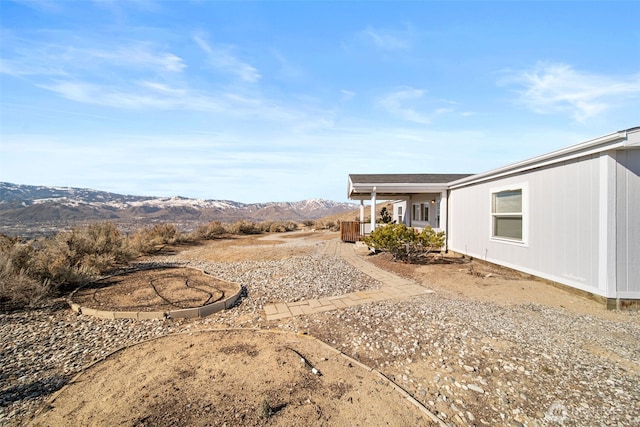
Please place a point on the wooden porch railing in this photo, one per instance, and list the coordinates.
(351, 231)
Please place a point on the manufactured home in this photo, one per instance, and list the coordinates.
(571, 216)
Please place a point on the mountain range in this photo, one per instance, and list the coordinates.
(20, 204)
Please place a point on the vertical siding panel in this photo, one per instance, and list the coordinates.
(628, 221)
(563, 223)
(595, 220)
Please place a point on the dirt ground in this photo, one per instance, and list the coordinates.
(461, 277)
(160, 289)
(248, 378)
(244, 377)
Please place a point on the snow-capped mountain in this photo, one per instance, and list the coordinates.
(44, 204)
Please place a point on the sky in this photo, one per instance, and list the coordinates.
(281, 100)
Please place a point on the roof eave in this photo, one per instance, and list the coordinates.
(364, 190)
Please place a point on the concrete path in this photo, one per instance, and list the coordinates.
(394, 287)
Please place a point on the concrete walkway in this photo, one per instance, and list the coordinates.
(394, 287)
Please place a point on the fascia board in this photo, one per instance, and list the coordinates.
(397, 188)
(604, 143)
(633, 138)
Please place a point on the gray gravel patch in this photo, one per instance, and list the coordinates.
(469, 362)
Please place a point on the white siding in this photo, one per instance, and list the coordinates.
(562, 221)
(628, 223)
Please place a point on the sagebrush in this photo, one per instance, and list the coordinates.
(405, 243)
(33, 271)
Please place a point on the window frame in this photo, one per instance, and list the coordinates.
(415, 212)
(523, 214)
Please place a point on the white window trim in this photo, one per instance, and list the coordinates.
(416, 210)
(524, 187)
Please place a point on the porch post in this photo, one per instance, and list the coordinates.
(443, 217)
(373, 209)
(361, 211)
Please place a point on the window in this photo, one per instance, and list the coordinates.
(425, 212)
(416, 212)
(507, 214)
(400, 215)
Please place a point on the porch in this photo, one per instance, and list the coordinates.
(419, 200)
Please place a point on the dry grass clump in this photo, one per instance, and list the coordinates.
(327, 225)
(243, 227)
(32, 271)
(216, 229)
(16, 285)
(210, 231)
(152, 239)
(277, 226)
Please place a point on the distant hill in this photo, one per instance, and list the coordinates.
(28, 204)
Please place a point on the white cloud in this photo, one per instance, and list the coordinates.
(137, 54)
(56, 59)
(410, 104)
(221, 57)
(141, 96)
(163, 88)
(347, 95)
(50, 6)
(559, 88)
(386, 40)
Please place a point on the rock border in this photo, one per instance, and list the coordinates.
(184, 313)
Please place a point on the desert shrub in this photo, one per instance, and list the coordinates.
(30, 271)
(308, 223)
(405, 243)
(277, 227)
(73, 256)
(17, 287)
(150, 239)
(385, 217)
(282, 227)
(291, 225)
(210, 231)
(243, 227)
(265, 226)
(328, 225)
(164, 234)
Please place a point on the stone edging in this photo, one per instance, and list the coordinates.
(414, 402)
(185, 313)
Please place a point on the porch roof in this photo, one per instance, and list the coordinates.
(393, 185)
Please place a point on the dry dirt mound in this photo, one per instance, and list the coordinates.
(237, 377)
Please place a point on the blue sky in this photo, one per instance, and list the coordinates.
(280, 101)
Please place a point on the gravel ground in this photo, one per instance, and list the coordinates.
(469, 362)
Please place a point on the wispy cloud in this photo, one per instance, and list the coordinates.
(560, 88)
(347, 95)
(50, 6)
(410, 104)
(60, 58)
(387, 39)
(157, 97)
(221, 57)
(140, 75)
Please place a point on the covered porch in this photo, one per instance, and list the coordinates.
(419, 200)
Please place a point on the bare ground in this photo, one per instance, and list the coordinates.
(254, 378)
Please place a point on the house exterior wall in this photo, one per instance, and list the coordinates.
(561, 220)
(400, 212)
(628, 223)
(405, 209)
